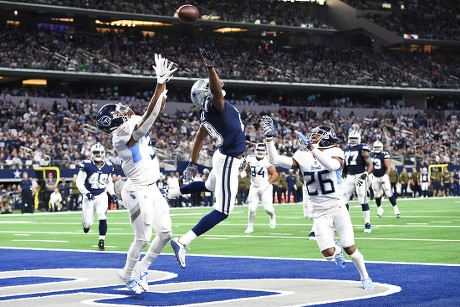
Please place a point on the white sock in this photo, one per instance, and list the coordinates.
(270, 212)
(251, 218)
(367, 216)
(101, 237)
(188, 238)
(395, 208)
(358, 260)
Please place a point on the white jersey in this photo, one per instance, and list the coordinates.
(258, 169)
(140, 163)
(324, 187)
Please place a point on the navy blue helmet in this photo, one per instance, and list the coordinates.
(111, 116)
(324, 136)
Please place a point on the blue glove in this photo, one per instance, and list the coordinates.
(304, 139)
(190, 171)
(114, 198)
(267, 126)
(90, 196)
(208, 57)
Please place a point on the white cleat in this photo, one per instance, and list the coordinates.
(249, 230)
(379, 212)
(273, 221)
(179, 251)
(143, 280)
(130, 283)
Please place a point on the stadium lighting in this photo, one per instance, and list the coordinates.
(227, 30)
(42, 82)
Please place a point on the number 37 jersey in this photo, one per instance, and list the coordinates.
(140, 163)
(324, 187)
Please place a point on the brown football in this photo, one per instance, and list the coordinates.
(188, 13)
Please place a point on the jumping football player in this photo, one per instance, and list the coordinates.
(263, 174)
(221, 121)
(147, 208)
(94, 178)
(381, 179)
(358, 166)
(321, 163)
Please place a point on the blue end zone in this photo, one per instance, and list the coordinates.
(422, 285)
(18, 281)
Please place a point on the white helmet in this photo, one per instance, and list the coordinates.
(200, 91)
(97, 152)
(378, 147)
(260, 151)
(354, 138)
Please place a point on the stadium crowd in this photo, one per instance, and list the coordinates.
(115, 53)
(261, 11)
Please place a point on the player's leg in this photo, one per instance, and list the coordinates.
(253, 203)
(267, 202)
(387, 188)
(87, 207)
(348, 188)
(101, 206)
(344, 228)
(324, 230)
(308, 212)
(377, 187)
(362, 198)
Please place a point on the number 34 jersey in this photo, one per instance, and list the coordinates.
(140, 163)
(324, 187)
(97, 178)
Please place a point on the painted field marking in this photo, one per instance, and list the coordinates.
(21, 234)
(49, 241)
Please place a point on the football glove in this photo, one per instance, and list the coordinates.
(243, 164)
(361, 179)
(190, 171)
(163, 69)
(208, 57)
(114, 198)
(267, 126)
(304, 140)
(90, 196)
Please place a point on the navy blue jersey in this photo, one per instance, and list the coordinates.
(225, 128)
(96, 177)
(354, 158)
(26, 185)
(424, 177)
(379, 163)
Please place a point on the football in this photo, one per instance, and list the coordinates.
(188, 13)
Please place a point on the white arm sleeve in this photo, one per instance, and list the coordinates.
(328, 162)
(277, 160)
(81, 182)
(109, 187)
(147, 124)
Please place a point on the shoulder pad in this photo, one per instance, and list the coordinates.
(365, 147)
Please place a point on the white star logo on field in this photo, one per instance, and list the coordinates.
(17, 174)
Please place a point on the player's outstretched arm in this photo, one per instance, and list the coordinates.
(215, 85)
(192, 166)
(273, 157)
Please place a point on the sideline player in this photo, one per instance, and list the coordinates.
(263, 174)
(321, 164)
(425, 182)
(140, 194)
(221, 121)
(94, 178)
(358, 166)
(381, 178)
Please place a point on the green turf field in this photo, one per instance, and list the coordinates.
(428, 232)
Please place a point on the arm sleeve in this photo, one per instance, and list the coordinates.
(276, 159)
(147, 124)
(328, 162)
(81, 182)
(110, 187)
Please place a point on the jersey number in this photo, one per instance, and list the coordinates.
(326, 185)
(254, 174)
(377, 164)
(98, 181)
(351, 157)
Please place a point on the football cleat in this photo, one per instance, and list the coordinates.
(249, 230)
(367, 228)
(367, 283)
(85, 230)
(312, 236)
(398, 215)
(143, 276)
(273, 221)
(179, 251)
(379, 212)
(130, 283)
(100, 245)
(339, 258)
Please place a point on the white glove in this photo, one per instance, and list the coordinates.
(267, 126)
(163, 69)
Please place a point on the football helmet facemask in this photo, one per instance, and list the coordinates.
(378, 147)
(354, 138)
(200, 91)
(260, 151)
(324, 136)
(97, 152)
(111, 116)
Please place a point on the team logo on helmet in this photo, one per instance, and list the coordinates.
(105, 121)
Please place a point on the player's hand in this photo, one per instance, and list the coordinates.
(306, 142)
(243, 165)
(163, 69)
(90, 196)
(114, 198)
(361, 179)
(190, 171)
(208, 57)
(267, 126)
(385, 178)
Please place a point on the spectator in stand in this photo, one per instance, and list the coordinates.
(292, 188)
(25, 187)
(55, 201)
(394, 180)
(446, 180)
(436, 182)
(404, 179)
